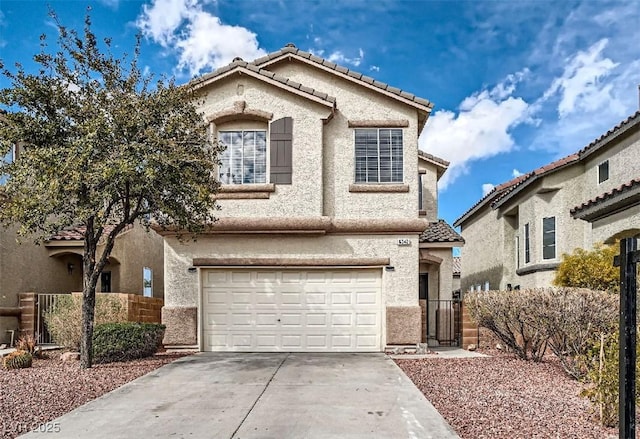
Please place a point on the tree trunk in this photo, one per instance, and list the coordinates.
(90, 280)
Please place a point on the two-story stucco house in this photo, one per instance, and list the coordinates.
(325, 207)
(516, 235)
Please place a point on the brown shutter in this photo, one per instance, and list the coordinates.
(281, 137)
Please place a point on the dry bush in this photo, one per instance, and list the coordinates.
(527, 321)
(571, 317)
(507, 314)
(64, 319)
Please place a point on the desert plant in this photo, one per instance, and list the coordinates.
(590, 269)
(602, 363)
(17, 360)
(570, 317)
(64, 319)
(126, 341)
(527, 321)
(29, 343)
(507, 314)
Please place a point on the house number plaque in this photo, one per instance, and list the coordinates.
(404, 241)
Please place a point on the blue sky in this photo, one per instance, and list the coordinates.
(515, 84)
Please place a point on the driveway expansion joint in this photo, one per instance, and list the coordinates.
(233, 435)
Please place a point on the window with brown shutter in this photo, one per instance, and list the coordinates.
(281, 150)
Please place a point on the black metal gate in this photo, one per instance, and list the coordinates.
(444, 326)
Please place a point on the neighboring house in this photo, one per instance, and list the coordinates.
(515, 236)
(456, 273)
(135, 266)
(325, 201)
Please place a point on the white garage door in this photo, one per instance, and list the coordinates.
(267, 310)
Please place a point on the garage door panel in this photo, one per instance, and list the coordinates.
(291, 310)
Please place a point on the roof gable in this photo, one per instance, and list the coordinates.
(505, 191)
(290, 51)
(238, 66)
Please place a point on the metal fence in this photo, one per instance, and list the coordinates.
(45, 302)
(444, 326)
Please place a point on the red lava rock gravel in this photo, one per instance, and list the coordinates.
(51, 388)
(504, 397)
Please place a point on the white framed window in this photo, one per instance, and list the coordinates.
(147, 282)
(486, 286)
(378, 155)
(603, 171)
(244, 161)
(549, 237)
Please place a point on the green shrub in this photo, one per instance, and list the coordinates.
(602, 363)
(590, 269)
(126, 341)
(64, 319)
(17, 360)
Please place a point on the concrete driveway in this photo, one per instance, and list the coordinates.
(279, 396)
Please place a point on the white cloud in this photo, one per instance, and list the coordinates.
(581, 86)
(374, 68)
(199, 38)
(481, 128)
(486, 188)
(339, 57)
(515, 173)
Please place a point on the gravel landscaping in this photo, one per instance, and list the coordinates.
(502, 396)
(51, 388)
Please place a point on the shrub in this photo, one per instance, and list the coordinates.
(602, 363)
(126, 341)
(28, 343)
(64, 319)
(17, 360)
(590, 269)
(570, 317)
(507, 314)
(527, 321)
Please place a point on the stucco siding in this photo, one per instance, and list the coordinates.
(400, 286)
(624, 166)
(482, 258)
(304, 196)
(355, 102)
(626, 223)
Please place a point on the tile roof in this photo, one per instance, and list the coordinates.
(291, 49)
(433, 158)
(440, 231)
(613, 193)
(503, 191)
(626, 124)
(238, 63)
(456, 265)
(533, 176)
(76, 233)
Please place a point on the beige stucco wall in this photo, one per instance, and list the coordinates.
(400, 286)
(624, 166)
(429, 189)
(302, 198)
(355, 102)
(625, 223)
(481, 256)
(134, 250)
